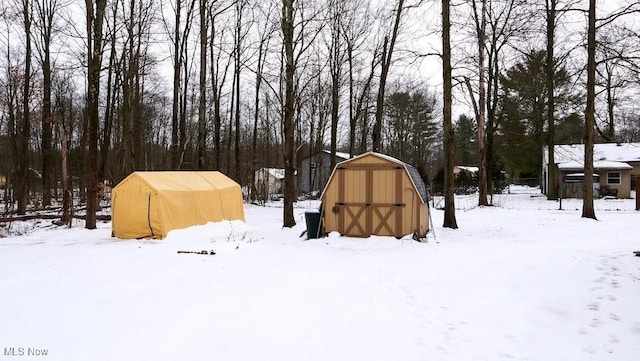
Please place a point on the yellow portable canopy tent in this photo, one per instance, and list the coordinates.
(150, 204)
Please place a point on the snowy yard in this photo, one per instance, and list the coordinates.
(519, 281)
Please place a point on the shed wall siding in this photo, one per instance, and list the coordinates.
(372, 195)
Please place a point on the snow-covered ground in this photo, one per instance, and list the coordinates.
(519, 281)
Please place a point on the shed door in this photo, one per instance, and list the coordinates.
(370, 200)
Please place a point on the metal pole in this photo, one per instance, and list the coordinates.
(638, 194)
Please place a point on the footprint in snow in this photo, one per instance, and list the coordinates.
(594, 306)
(595, 323)
(614, 317)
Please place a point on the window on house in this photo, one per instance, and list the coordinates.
(613, 178)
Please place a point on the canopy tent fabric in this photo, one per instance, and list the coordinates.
(150, 204)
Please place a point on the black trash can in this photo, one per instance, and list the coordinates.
(313, 224)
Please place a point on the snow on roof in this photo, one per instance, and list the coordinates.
(467, 168)
(277, 173)
(620, 152)
(339, 154)
(598, 164)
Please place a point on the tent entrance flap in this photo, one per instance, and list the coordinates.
(149, 217)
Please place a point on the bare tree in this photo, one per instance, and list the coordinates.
(449, 199)
(240, 34)
(63, 110)
(298, 36)
(616, 68)
(336, 59)
(46, 11)
(202, 86)
(180, 35)
(594, 24)
(355, 27)
(552, 187)
(480, 21)
(219, 70)
(387, 55)
(137, 18)
(22, 146)
(95, 14)
(264, 35)
(506, 21)
(112, 89)
(588, 210)
(288, 112)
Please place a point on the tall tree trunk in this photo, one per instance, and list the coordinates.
(229, 139)
(46, 10)
(552, 185)
(336, 74)
(449, 198)
(109, 111)
(256, 113)
(216, 86)
(128, 96)
(387, 54)
(288, 114)
(588, 210)
(481, 29)
(610, 134)
(22, 174)
(184, 102)
(202, 101)
(177, 66)
(352, 119)
(67, 193)
(95, 19)
(238, 63)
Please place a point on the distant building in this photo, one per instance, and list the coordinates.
(269, 181)
(471, 171)
(616, 166)
(316, 170)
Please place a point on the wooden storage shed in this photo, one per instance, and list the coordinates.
(374, 194)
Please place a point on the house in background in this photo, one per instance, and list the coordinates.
(315, 171)
(465, 171)
(269, 181)
(616, 167)
(465, 179)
